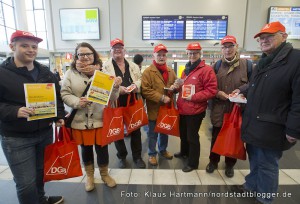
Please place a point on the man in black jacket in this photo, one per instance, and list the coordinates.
(271, 118)
(23, 141)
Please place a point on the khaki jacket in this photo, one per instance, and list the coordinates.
(153, 88)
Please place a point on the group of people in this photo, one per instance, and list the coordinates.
(270, 118)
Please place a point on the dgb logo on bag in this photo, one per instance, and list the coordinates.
(57, 168)
(136, 119)
(167, 122)
(114, 126)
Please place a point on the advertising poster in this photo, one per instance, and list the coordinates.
(42, 99)
(100, 89)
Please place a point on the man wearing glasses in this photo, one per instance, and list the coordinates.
(202, 79)
(131, 75)
(271, 118)
(232, 73)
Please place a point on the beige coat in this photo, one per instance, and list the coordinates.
(134, 70)
(73, 86)
(153, 88)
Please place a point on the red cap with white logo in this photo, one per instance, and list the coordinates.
(194, 46)
(160, 47)
(24, 34)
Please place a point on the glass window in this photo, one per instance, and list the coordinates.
(39, 16)
(1, 17)
(3, 40)
(44, 43)
(29, 5)
(38, 4)
(9, 16)
(8, 2)
(30, 21)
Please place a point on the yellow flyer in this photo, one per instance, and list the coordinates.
(100, 89)
(42, 99)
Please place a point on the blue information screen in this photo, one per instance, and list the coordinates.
(184, 27)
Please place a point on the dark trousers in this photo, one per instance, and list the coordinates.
(87, 154)
(215, 158)
(135, 143)
(190, 144)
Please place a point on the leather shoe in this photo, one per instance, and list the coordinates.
(166, 155)
(122, 164)
(180, 155)
(229, 172)
(140, 163)
(210, 168)
(188, 169)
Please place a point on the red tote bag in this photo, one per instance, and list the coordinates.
(61, 159)
(229, 142)
(167, 121)
(113, 126)
(134, 114)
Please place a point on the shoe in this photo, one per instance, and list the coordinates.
(210, 168)
(53, 199)
(180, 155)
(140, 163)
(166, 155)
(238, 189)
(152, 160)
(229, 171)
(188, 169)
(122, 164)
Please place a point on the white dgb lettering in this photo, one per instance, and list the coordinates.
(60, 170)
(114, 131)
(134, 125)
(164, 126)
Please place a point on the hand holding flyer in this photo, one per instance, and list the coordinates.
(130, 88)
(237, 98)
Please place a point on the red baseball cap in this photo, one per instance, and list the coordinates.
(24, 34)
(194, 46)
(116, 41)
(228, 39)
(272, 27)
(160, 47)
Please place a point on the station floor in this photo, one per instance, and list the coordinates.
(165, 183)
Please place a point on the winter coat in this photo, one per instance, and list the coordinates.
(12, 98)
(205, 81)
(273, 102)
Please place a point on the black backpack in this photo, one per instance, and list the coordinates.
(249, 67)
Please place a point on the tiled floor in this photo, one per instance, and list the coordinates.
(165, 183)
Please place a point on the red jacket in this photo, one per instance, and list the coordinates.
(205, 81)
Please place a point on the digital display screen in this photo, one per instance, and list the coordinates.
(289, 17)
(80, 24)
(184, 27)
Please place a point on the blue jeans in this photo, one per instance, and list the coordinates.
(25, 157)
(264, 172)
(154, 137)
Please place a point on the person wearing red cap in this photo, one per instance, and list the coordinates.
(131, 75)
(272, 114)
(155, 77)
(23, 141)
(232, 73)
(192, 108)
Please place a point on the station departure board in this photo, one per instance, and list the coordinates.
(184, 27)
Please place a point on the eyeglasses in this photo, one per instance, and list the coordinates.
(228, 47)
(266, 37)
(192, 53)
(82, 55)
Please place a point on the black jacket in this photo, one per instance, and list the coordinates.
(12, 97)
(273, 107)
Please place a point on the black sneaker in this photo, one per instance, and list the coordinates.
(122, 164)
(229, 171)
(140, 163)
(53, 199)
(180, 155)
(210, 168)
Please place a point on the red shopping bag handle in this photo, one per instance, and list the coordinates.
(65, 136)
(129, 97)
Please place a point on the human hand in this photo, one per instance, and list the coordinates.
(165, 99)
(25, 112)
(83, 102)
(123, 90)
(235, 92)
(222, 95)
(60, 123)
(118, 82)
(290, 139)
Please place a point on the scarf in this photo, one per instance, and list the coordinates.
(232, 64)
(267, 59)
(189, 67)
(163, 70)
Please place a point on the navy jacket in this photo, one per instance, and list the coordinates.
(273, 107)
(12, 97)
